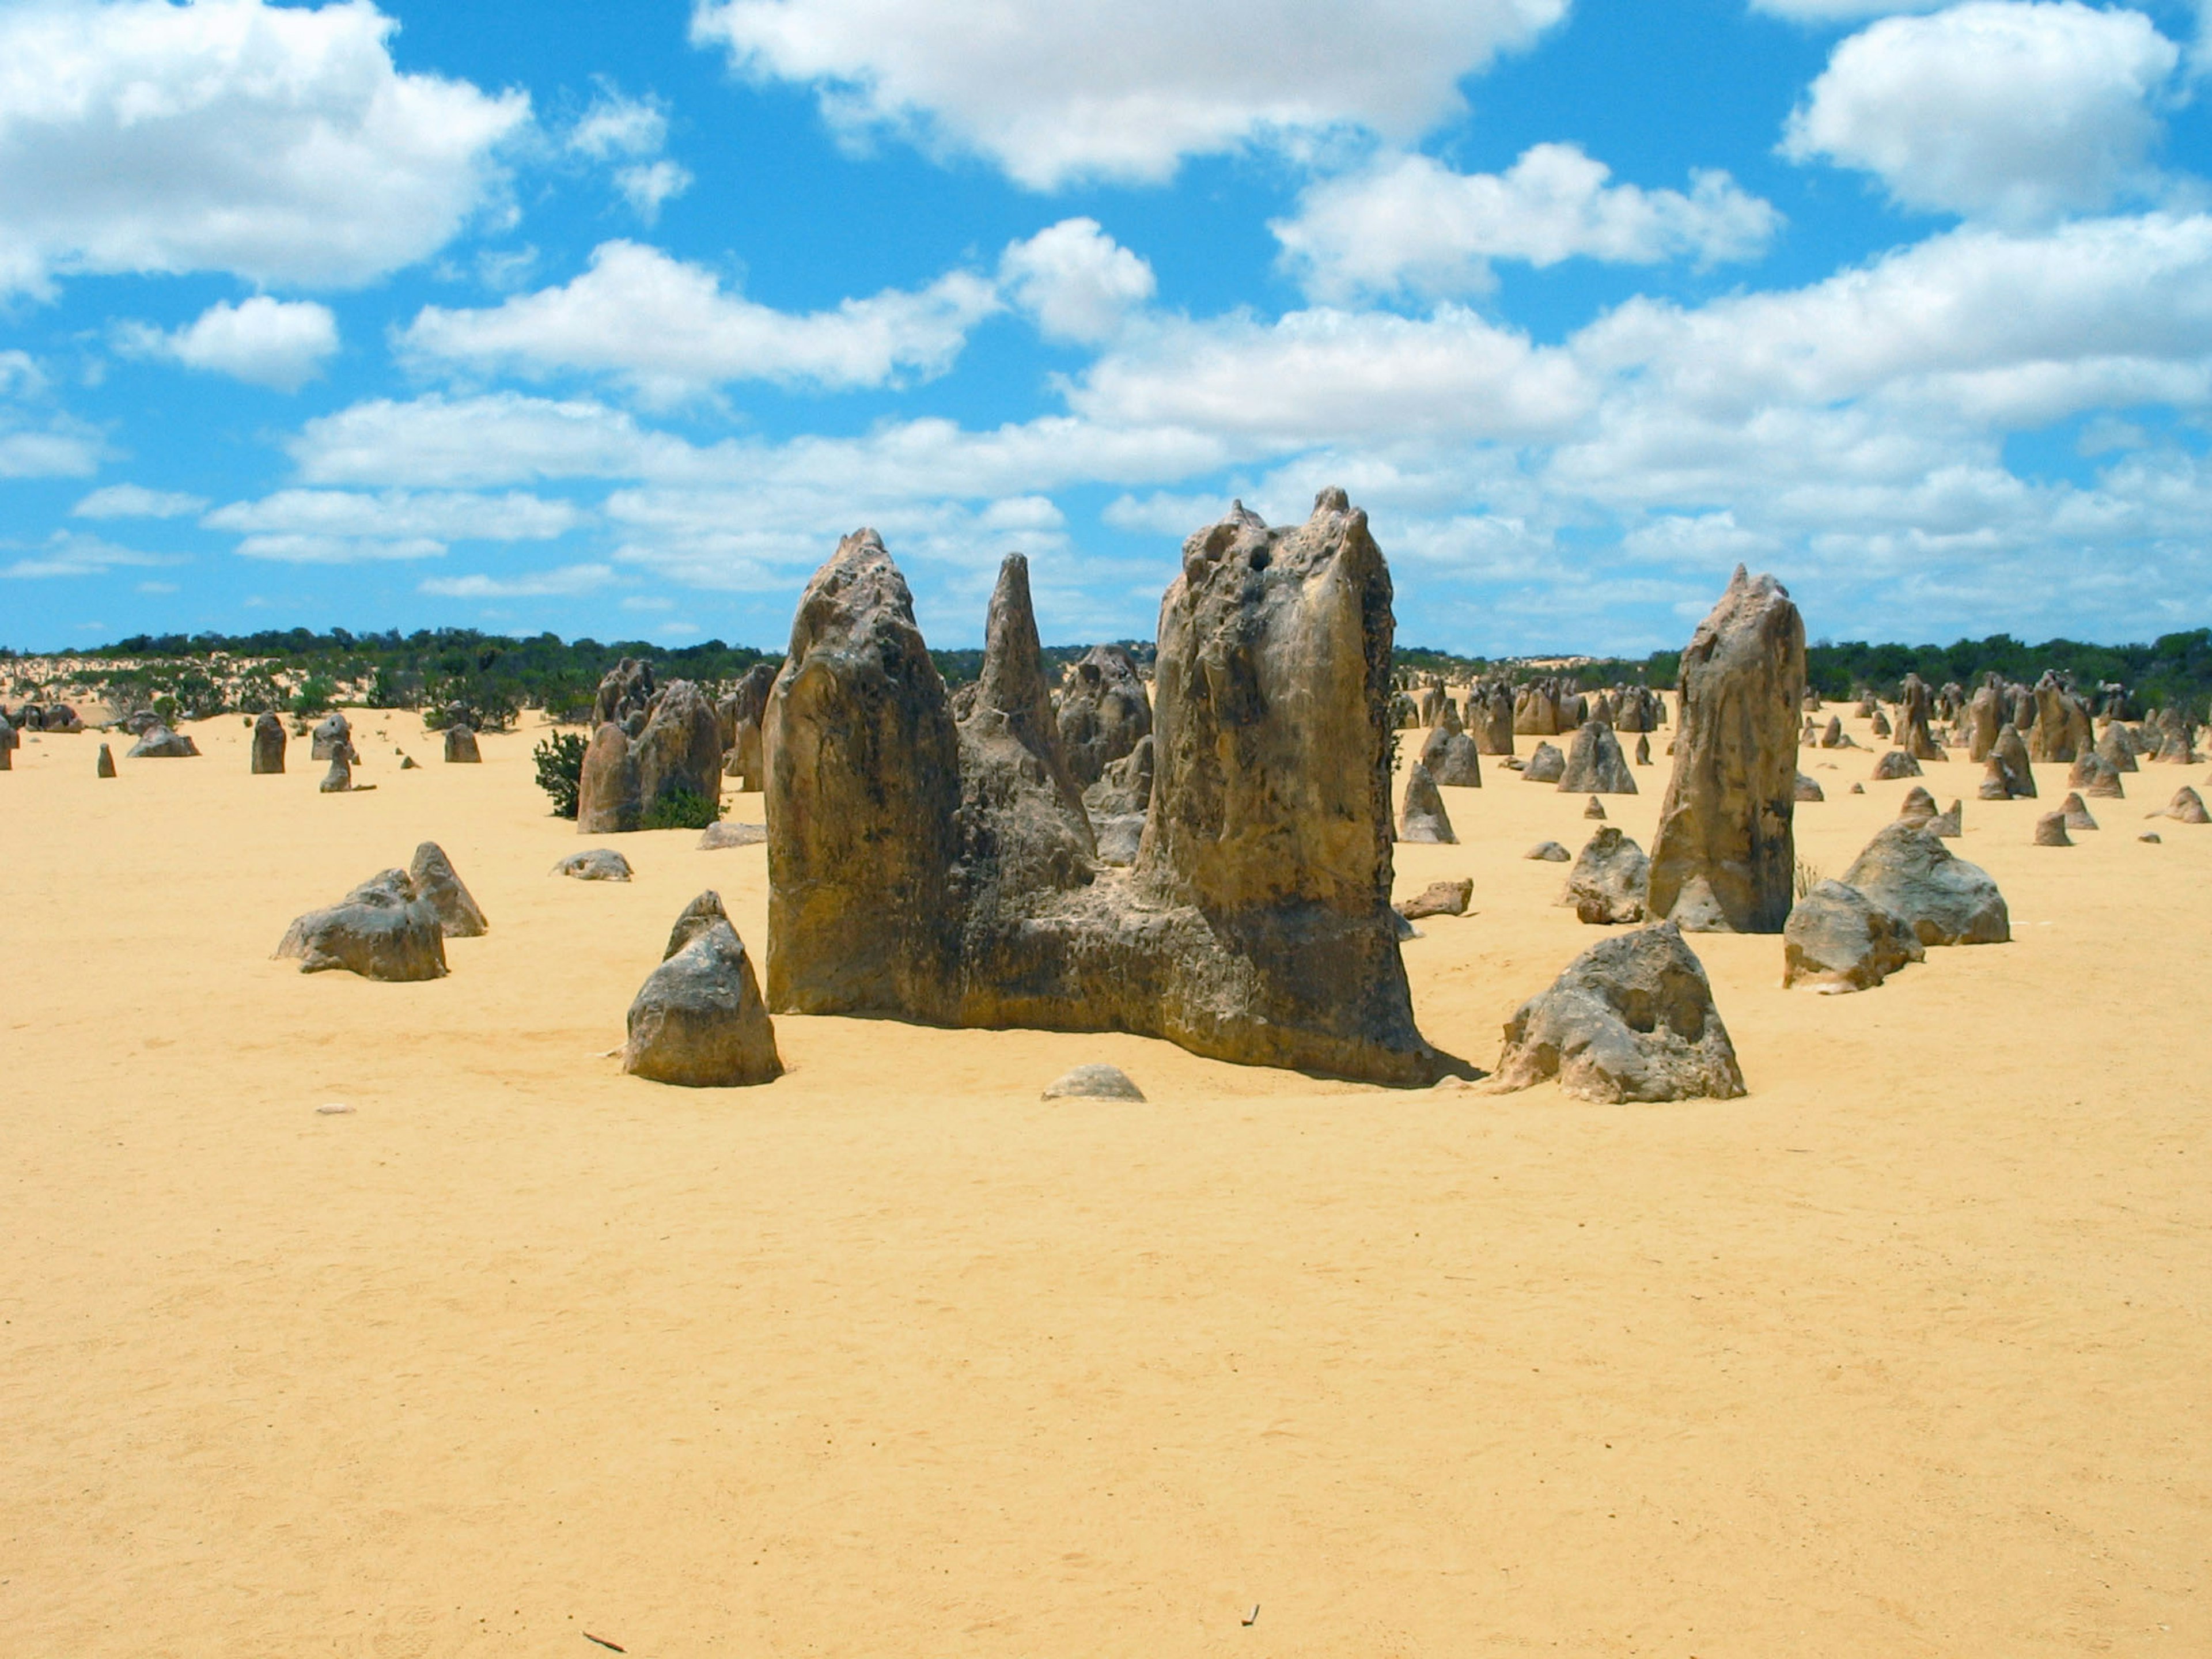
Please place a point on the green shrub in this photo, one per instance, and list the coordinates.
(680, 809)
(561, 770)
(313, 696)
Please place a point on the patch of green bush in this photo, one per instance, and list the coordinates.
(561, 770)
(681, 809)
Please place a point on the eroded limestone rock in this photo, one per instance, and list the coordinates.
(1422, 816)
(383, 929)
(439, 886)
(698, 1021)
(1944, 900)
(1610, 881)
(268, 745)
(1839, 940)
(1595, 765)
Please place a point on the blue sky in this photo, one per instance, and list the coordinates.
(611, 321)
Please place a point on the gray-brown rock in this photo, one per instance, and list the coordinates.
(594, 864)
(461, 748)
(625, 697)
(698, 1021)
(723, 833)
(1879, 723)
(1546, 765)
(1806, 789)
(1438, 898)
(339, 779)
(383, 929)
(2050, 830)
(1950, 824)
(2075, 813)
(268, 745)
(1550, 851)
(739, 715)
(1917, 805)
(1450, 755)
(1985, 714)
(1120, 837)
(1895, 764)
(1124, 787)
(439, 886)
(2117, 749)
(1093, 1082)
(1729, 812)
(2152, 836)
(1422, 816)
(1833, 736)
(1594, 808)
(2187, 806)
(1104, 712)
(2063, 728)
(2010, 751)
(675, 753)
(1490, 718)
(2094, 774)
(1642, 749)
(1944, 900)
(1595, 765)
(105, 767)
(1632, 1018)
(1837, 939)
(1610, 881)
(161, 744)
(333, 730)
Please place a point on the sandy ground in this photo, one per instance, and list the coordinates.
(1903, 1354)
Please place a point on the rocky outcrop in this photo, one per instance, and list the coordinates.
(383, 929)
(1950, 824)
(160, 743)
(1984, 713)
(2010, 751)
(1255, 925)
(2094, 774)
(439, 886)
(268, 745)
(1611, 880)
(461, 748)
(1490, 718)
(677, 752)
(332, 732)
(625, 697)
(1104, 712)
(1595, 765)
(1450, 755)
(2187, 806)
(1730, 808)
(1914, 705)
(1919, 805)
(1632, 1018)
(698, 1021)
(1944, 900)
(1839, 940)
(1438, 898)
(2075, 813)
(1423, 818)
(1895, 764)
(2063, 728)
(739, 715)
(594, 864)
(1125, 787)
(1546, 765)
(2117, 749)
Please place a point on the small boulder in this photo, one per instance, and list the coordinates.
(1837, 939)
(339, 778)
(1879, 723)
(2077, 813)
(383, 929)
(1550, 851)
(1120, 837)
(2187, 806)
(2152, 836)
(698, 1021)
(105, 767)
(442, 890)
(1808, 789)
(1546, 765)
(2050, 830)
(161, 744)
(1896, 764)
(1422, 817)
(2009, 755)
(1944, 899)
(1610, 881)
(594, 864)
(461, 745)
(332, 732)
(1438, 898)
(1858, 789)
(1632, 1018)
(1596, 766)
(407, 764)
(1451, 757)
(1919, 804)
(1092, 1083)
(268, 755)
(1593, 809)
(724, 833)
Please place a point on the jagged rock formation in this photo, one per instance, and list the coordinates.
(677, 751)
(383, 929)
(331, 732)
(461, 745)
(1985, 714)
(2074, 812)
(160, 743)
(1104, 712)
(624, 697)
(1595, 765)
(698, 1021)
(1125, 787)
(1632, 1018)
(1255, 923)
(1450, 755)
(268, 745)
(2093, 774)
(1950, 824)
(439, 886)
(1944, 900)
(1730, 808)
(1438, 898)
(2063, 728)
(1546, 765)
(2187, 806)
(1914, 705)
(739, 715)
(2009, 753)
(1422, 817)
(594, 864)
(1490, 718)
(1611, 880)
(1839, 940)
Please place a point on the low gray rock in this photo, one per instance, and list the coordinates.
(461, 745)
(594, 864)
(2077, 813)
(1438, 898)
(1632, 1018)
(161, 744)
(1895, 764)
(1808, 789)
(1546, 765)
(1120, 837)
(1595, 765)
(1697, 909)
(1610, 881)
(383, 929)
(724, 833)
(698, 1021)
(1839, 940)
(441, 888)
(1550, 851)
(339, 779)
(2187, 806)
(1092, 1083)
(1124, 786)
(2050, 830)
(1944, 900)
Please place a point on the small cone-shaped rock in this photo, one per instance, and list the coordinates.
(2075, 813)
(1833, 736)
(1423, 818)
(1595, 765)
(1879, 723)
(2187, 806)
(1610, 882)
(106, 765)
(439, 886)
(268, 745)
(1545, 765)
(2050, 830)
(1950, 825)
(1596, 808)
(1918, 804)
(461, 745)
(1642, 749)
(698, 1021)
(1809, 789)
(1550, 851)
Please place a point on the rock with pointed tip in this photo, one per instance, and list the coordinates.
(1610, 882)
(439, 886)
(2075, 813)
(698, 1021)
(2187, 806)
(1943, 899)
(1422, 817)
(1595, 765)
(1837, 939)
(2050, 830)
(1950, 824)
(1918, 804)
(1451, 758)
(1545, 765)
(383, 929)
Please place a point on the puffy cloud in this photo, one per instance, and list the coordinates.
(275, 141)
(567, 580)
(649, 184)
(2016, 112)
(308, 549)
(73, 553)
(667, 329)
(279, 344)
(1409, 221)
(631, 133)
(505, 437)
(1078, 282)
(1052, 93)
(398, 514)
(129, 501)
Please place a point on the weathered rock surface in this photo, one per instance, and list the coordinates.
(1422, 816)
(1125, 787)
(1595, 765)
(739, 716)
(1730, 808)
(677, 750)
(1490, 718)
(2187, 806)
(1895, 764)
(1944, 900)
(594, 864)
(1610, 882)
(1550, 851)
(698, 1021)
(1093, 1082)
(1915, 702)
(625, 697)
(2075, 813)
(1950, 824)
(2050, 830)
(723, 833)
(461, 748)
(1120, 838)
(2094, 774)
(1594, 808)
(383, 929)
(1450, 755)
(105, 767)
(268, 745)
(339, 779)
(1546, 765)
(2009, 752)
(332, 731)
(439, 886)
(1438, 898)
(161, 744)
(1632, 1018)
(1806, 789)
(1839, 940)
(1104, 712)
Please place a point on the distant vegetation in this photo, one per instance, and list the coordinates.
(494, 677)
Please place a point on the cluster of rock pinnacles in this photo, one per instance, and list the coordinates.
(1211, 863)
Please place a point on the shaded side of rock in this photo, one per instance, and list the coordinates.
(1945, 899)
(698, 1021)
(381, 930)
(1840, 939)
(438, 884)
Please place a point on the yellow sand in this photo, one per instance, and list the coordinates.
(1907, 1353)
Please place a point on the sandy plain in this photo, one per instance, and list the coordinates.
(1905, 1353)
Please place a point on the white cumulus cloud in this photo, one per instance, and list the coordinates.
(275, 142)
(629, 134)
(2012, 112)
(670, 330)
(1052, 92)
(129, 501)
(1409, 221)
(279, 344)
(1078, 282)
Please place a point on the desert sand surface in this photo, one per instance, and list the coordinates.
(1905, 1353)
